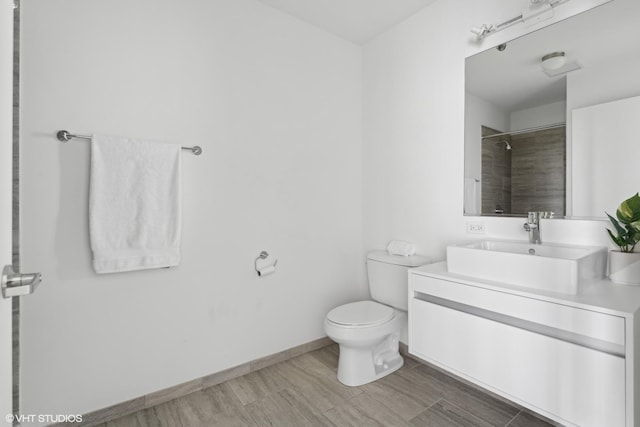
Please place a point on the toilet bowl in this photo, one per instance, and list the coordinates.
(368, 332)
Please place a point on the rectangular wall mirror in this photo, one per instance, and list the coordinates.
(538, 137)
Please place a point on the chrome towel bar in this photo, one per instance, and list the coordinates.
(65, 136)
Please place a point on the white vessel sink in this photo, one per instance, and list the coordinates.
(549, 267)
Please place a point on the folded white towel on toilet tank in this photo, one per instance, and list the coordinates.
(398, 247)
(134, 204)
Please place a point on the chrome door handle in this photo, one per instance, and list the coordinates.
(17, 284)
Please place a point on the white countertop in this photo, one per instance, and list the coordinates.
(598, 295)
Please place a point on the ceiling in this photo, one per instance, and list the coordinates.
(355, 20)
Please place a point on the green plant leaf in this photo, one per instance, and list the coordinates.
(625, 237)
(615, 239)
(627, 224)
(629, 210)
(633, 232)
(619, 229)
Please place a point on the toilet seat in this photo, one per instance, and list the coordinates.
(361, 313)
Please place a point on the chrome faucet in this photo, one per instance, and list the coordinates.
(533, 227)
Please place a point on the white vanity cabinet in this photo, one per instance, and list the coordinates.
(569, 358)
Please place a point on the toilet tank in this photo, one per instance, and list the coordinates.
(389, 277)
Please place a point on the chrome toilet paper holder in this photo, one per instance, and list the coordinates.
(263, 255)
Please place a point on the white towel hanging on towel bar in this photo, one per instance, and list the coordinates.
(134, 204)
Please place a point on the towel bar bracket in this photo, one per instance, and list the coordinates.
(63, 136)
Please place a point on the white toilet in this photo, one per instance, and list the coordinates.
(368, 332)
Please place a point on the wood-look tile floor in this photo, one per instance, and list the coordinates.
(304, 391)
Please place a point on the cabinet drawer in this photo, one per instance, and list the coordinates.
(605, 330)
(571, 382)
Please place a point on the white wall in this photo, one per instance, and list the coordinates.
(604, 171)
(479, 113)
(276, 106)
(604, 82)
(599, 84)
(414, 133)
(543, 115)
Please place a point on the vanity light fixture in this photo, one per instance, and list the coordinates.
(537, 11)
(553, 60)
(483, 30)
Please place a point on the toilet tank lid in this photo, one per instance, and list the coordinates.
(406, 261)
